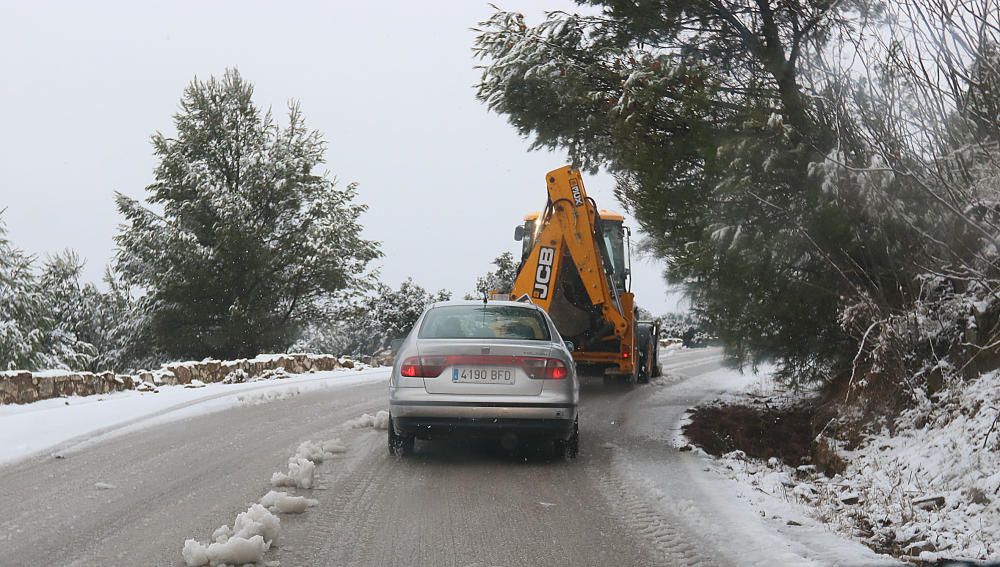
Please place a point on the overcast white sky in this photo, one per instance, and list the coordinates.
(390, 84)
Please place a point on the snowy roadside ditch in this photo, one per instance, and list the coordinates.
(256, 531)
(928, 491)
(60, 426)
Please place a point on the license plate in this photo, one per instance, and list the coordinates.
(482, 375)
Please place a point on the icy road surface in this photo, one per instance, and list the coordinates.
(631, 498)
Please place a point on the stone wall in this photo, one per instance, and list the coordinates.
(18, 387)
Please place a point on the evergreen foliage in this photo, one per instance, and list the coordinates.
(501, 280)
(692, 329)
(241, 237)
(49, 319)
(369, 324)
(780, 193)
(21, 308)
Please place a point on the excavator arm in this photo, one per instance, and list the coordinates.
(569, 274)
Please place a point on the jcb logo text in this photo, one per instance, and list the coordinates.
(543, 275)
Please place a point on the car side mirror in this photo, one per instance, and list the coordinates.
(519, 232)
(569, 345)
(395, 345)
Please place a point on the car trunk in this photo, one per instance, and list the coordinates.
(484, 358)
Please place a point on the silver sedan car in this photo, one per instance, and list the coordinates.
(496, 369)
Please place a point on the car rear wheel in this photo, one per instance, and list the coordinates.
(399, 445)
(570, 447)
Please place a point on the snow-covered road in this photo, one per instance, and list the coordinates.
(132, 498)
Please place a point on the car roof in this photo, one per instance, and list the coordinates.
(522, 304)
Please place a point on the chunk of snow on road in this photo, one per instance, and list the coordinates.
(233, 551)
(267, 396)
(195, 384)
(221, 533)
(378, 421)
(104, 486)
(334, 446)
(362, 422)
(301, 474)
(254, 532)
(312, 451)
(257, 520)
(282, 503)
(195, 554)
(237, 551)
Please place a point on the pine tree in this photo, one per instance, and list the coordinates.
(241, 236)
(501, 280)
(700, 111)
(21, 309)
(71, 314)
(368, 324)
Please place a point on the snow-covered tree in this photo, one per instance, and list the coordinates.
(47, 318)
(242, 235)
(779, 185)
(501, 280)
(72, 323)
(370, 323)
(702, 112)
(21, 309)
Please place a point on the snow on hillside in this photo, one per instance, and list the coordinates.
(931, 491)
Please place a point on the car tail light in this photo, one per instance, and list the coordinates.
(423, 366)
(545, 368)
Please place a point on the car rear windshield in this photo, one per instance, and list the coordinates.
(484, 322)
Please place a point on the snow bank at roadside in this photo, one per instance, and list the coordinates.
(932, 490)
(34, 428)
(929, 492)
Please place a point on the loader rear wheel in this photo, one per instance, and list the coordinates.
(646, 358)
(657, 369)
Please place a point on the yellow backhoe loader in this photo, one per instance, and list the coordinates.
(575, 264)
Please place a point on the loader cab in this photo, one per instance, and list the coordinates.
(614, 241)
(525, 233)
